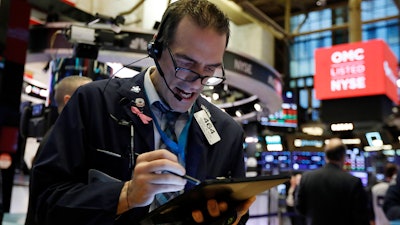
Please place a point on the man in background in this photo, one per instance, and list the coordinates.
(391, 203)
(378, 192)
(62, 93)
(331, 196)
(66, 87)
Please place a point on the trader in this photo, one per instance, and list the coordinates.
(331, 196)
(87, 172)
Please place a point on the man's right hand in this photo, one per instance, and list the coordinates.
(148, 179)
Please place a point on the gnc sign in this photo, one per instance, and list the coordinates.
(356, 69)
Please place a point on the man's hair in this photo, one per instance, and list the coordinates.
(67, 86)
(204, 13)
(390, 170)
(335, 150)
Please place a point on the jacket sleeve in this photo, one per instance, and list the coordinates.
(60, 190)
(301, 196)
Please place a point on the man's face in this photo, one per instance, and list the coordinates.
(193, 48)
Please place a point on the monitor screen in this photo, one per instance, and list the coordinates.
(286, 116)
(355, 160)
(273, 160)
(305, 160)
(362, 175)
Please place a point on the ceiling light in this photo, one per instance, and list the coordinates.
(257, 107)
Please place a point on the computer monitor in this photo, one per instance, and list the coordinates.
(362, 175)
(307, 160)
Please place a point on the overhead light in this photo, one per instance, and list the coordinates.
(257, 107)
(342, 126)
(315, 131)
(215, 96)
(238, 113)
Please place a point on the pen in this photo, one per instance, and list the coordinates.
(186, 177)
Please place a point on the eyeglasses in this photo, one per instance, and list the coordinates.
(214, 76)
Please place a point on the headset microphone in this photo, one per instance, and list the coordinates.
(179, 98)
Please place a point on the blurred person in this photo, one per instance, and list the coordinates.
(391, 202)
(107, 123)
(378, 192)
(295, 218)
(63, 91)
(66, 87)
(331, 196)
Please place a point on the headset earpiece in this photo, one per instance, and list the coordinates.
(154, 49)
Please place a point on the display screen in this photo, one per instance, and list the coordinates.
(303, 160)
(274, 161)
(356, 69)
(286, 116)
(273, 143)
(362, 175)
(355, 160)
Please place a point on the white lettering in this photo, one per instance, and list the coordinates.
(344, 70)
(352, 83)
(243, 66)
(348, 56)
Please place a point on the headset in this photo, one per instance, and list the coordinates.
(155, 49)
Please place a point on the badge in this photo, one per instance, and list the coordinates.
(139, 102)
(137, 110)
(136, 89)
(207, 127)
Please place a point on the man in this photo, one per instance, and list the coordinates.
(63, 91)
(66, 87)
(391, 203)
(291, 188)
(331, 196)
(107, 123)
(378, 192)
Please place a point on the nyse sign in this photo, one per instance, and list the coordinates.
(347, 70)
(355, 70)
(242, 66)
(251, 68)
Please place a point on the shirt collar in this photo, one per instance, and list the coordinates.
(151, 91)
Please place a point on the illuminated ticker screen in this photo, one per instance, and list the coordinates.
(304, 160)
(271, 160)
(355, 160)
(286, 116)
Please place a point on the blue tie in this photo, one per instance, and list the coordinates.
(171, 118)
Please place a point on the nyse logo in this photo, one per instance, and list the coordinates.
(243, 66)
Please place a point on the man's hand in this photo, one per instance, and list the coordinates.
(215, 209)
(148, 179)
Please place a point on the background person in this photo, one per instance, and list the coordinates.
(106, 123)
(62, 93)
(378, 192)
(331, 196)
(391, 203)
(295, 218)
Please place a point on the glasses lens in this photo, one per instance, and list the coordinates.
(214, 78)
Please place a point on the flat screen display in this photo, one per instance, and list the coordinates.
(305, 160)
(286, 116)
(362, 175)
(272, 161)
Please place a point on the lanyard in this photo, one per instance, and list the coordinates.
(177, 148)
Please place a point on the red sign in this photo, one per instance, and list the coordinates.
(355, 70)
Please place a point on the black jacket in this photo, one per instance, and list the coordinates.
(94, 132)
(391, 204)
(330, 196)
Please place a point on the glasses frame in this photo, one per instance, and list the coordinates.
(198, 76)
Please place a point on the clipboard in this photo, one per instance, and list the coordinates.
(232, 190)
